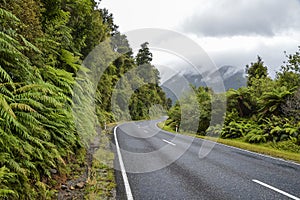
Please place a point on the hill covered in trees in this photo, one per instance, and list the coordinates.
(44, 83)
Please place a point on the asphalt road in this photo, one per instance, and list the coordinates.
(159, 165)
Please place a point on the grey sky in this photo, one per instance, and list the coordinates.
(244, 17)
(232, 32)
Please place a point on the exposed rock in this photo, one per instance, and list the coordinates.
(53, 171)
(80, 185)
(64, 187)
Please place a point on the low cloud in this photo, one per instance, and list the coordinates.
(246, 50)
(243, 17)
(271, 53)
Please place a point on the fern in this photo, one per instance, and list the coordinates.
(6, 177)
(257, 138)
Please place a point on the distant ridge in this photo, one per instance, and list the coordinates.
(232, 78)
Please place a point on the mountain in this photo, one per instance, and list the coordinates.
(232, 78)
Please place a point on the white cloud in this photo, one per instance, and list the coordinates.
(135, 14)
(239, 49)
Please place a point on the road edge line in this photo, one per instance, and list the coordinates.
(276, 189)
(256, 153)
(237, 148)
(122, 167)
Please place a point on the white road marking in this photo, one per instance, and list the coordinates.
(275, 189)
(171, 143)
(122, 167)
(259, 154)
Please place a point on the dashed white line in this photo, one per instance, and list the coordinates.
(166, 141)
(122, 167)
(275, 189)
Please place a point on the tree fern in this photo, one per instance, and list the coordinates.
(271, 102)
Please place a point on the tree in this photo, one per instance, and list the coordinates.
(144, 56)
(193, 111)
(293, 63)
(240, 100)
(143, 99)
(292, 106)
(256, 70)
(289, 74)
(204, 99)
(271, 102)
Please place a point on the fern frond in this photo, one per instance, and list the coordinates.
(4, 14)
(21, 107)
(5, 107)
(29, 44)
(5, 177)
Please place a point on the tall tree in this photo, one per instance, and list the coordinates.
(256, 70)
(144, 56)
(289, 74)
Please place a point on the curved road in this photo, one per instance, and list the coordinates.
(161, 165)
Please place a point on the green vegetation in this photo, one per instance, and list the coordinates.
(284, 149)
(267, 111)
(137, 94)
(43, 84)
(101, 181)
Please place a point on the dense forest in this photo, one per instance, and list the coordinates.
(266, 110)
(46, 91)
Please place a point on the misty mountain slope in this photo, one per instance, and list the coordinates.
(177, 84)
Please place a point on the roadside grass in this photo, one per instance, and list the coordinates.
(283, 150)
(101, 183)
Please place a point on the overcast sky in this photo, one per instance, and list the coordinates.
(232, 32)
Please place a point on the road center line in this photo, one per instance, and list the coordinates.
(166, 141)
(122, 167)
(275, 189)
